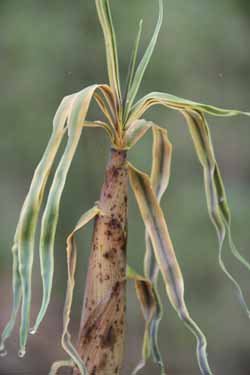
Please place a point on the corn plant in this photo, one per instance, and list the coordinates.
(100, 346)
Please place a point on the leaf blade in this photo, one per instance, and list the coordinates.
(145, 61)
(104, 14)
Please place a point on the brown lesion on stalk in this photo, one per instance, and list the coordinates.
(101, 338)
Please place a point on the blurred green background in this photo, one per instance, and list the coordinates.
(50, 49)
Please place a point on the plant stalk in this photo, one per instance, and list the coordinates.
(102, 329)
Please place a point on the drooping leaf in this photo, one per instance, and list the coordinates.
(71, 262)
(104, 14)
(132, 92)
(102, 125)
(215, 192)
(160, 174)
(174, 102)
(156, 226)
(23, 247)
(77, 116)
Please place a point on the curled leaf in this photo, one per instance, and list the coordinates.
(71, 262)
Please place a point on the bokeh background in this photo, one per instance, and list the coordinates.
(50, 49)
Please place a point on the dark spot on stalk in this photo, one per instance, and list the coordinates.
(93, 372)
(116, 370)
(108, 339)
(108, 233)
(87, 333)
(110, 254)
(109, 196)
(116, 287)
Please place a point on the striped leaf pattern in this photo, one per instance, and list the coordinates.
(135, 85)
(23, 248)
(156, 227)
(70, 117)
(160, 174)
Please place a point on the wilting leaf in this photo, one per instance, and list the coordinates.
(76, 120)
(164, 252)
(160, 174)
(23, 247)
(71, 262)
(215, 192)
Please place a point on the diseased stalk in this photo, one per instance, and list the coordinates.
(101, 337)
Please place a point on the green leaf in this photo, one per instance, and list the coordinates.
(132, 65)
(144, 62)
(156, 226)
(104, 14)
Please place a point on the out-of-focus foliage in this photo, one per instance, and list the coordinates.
(50, 49)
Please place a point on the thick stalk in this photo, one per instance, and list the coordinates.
(101, 338)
